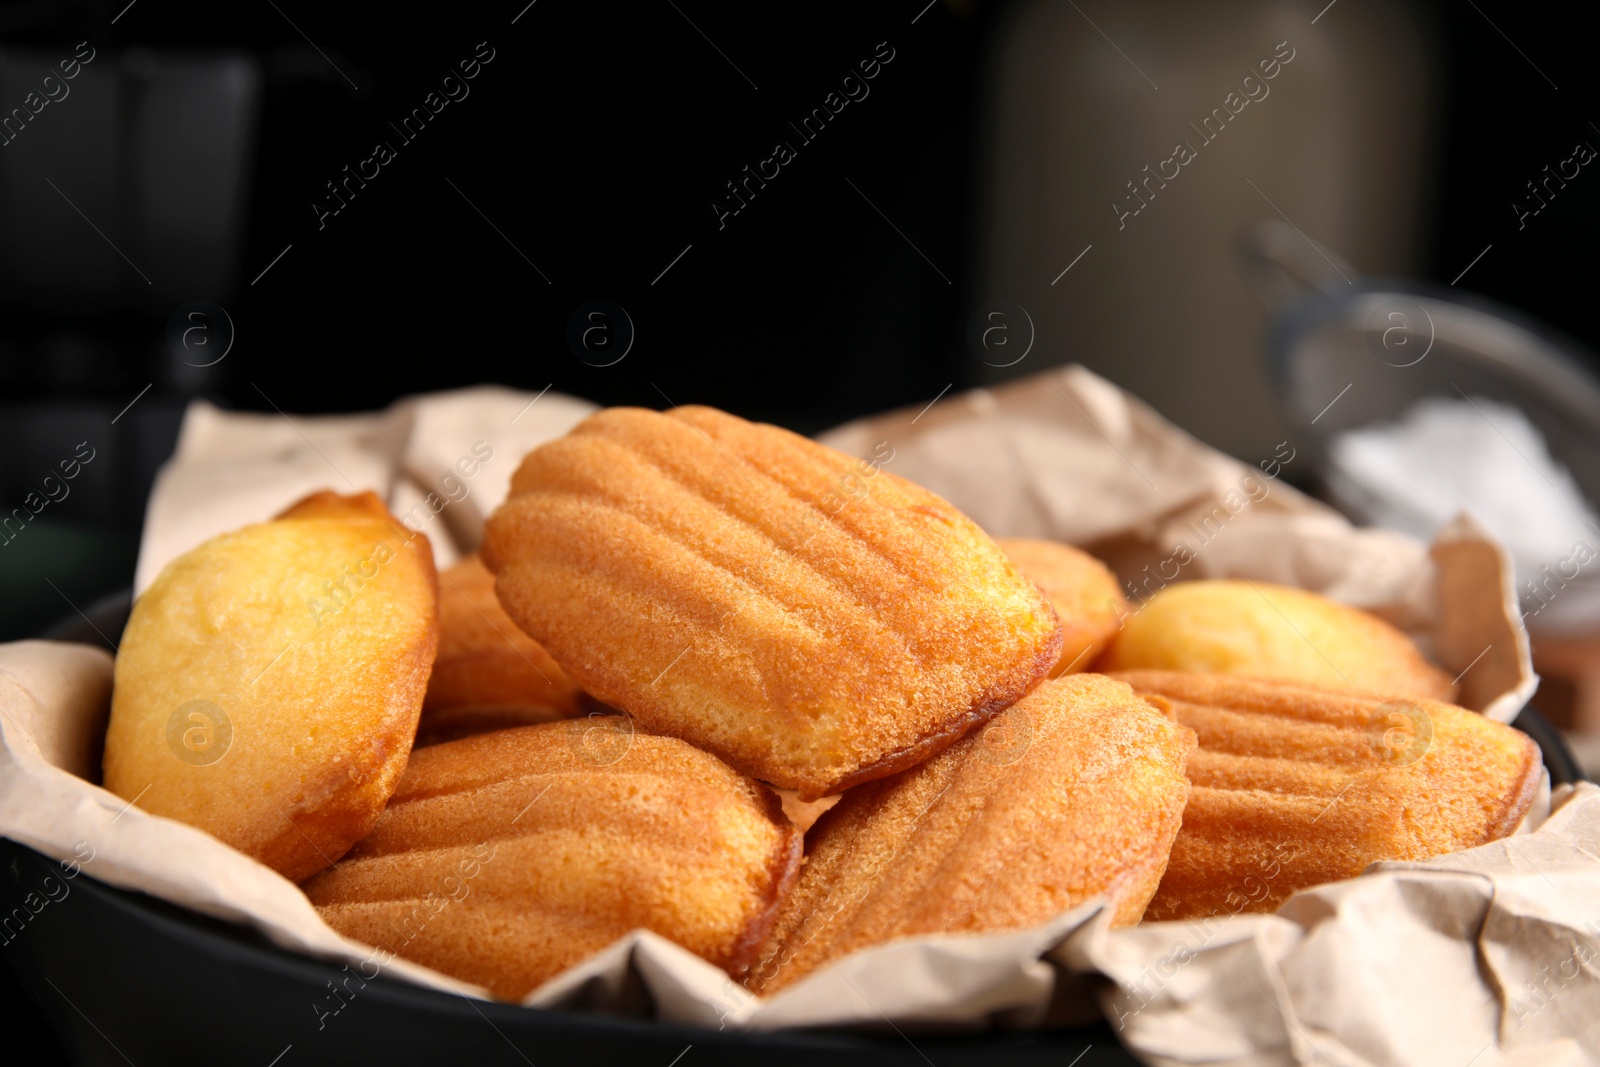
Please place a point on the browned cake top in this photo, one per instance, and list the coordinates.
(1312, 785)
(812, 620)
(574, 833)
(1083, 591)
(1075, 791)
(486, 663)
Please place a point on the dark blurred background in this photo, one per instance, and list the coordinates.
(158, 209)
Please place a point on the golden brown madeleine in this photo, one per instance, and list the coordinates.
(1083, 591)
(814, 621)
(269, 681)
(488, 675)
(1075, 791)
(1295, 786)
(507, 857)
(1272, 631)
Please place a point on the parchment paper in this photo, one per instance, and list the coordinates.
(1481, 957)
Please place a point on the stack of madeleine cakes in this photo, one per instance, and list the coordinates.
(713, 680)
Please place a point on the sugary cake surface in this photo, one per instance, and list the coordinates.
(506, 857)
(1075, 791)
(1295, 786)
(814, 621)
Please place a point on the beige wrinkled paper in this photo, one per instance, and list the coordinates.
(1483, 957)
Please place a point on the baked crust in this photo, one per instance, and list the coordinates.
(1084, 592)
(1262, 630)
(507, 857)
(1076, 791)
(812, 620)
(1295, 786)
(489, 675)
(299, 648)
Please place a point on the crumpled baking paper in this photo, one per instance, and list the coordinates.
(1480, 957)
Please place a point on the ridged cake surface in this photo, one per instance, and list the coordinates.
(813, 620)
(506, 857)
(1074, 792)
(1295, 786)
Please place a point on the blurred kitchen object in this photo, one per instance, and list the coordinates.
(1446, 455)
(1130, 143)
(128, 185)
(124, 179)
(1417, 403)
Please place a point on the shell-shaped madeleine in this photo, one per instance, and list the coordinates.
(812, 619)
(1075, 791)
(1295, 786)
(489, 674)
(1262, 630)
(1083, 591)
(269, 681)
(506, 857)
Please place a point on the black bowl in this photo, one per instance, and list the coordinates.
(125, 978)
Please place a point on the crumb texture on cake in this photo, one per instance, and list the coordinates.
(1074, 792)
(268, 683)
(506, 857)
(813, 620)
(1295, 786)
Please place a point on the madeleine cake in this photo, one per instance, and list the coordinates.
(269, 681)
(1083, 591)
(1074, 792)
(1295, 786)
(506, 857)
(488, 675)
(815, 621)
(1272, 631)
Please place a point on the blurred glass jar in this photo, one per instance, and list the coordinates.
(1321, 118)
